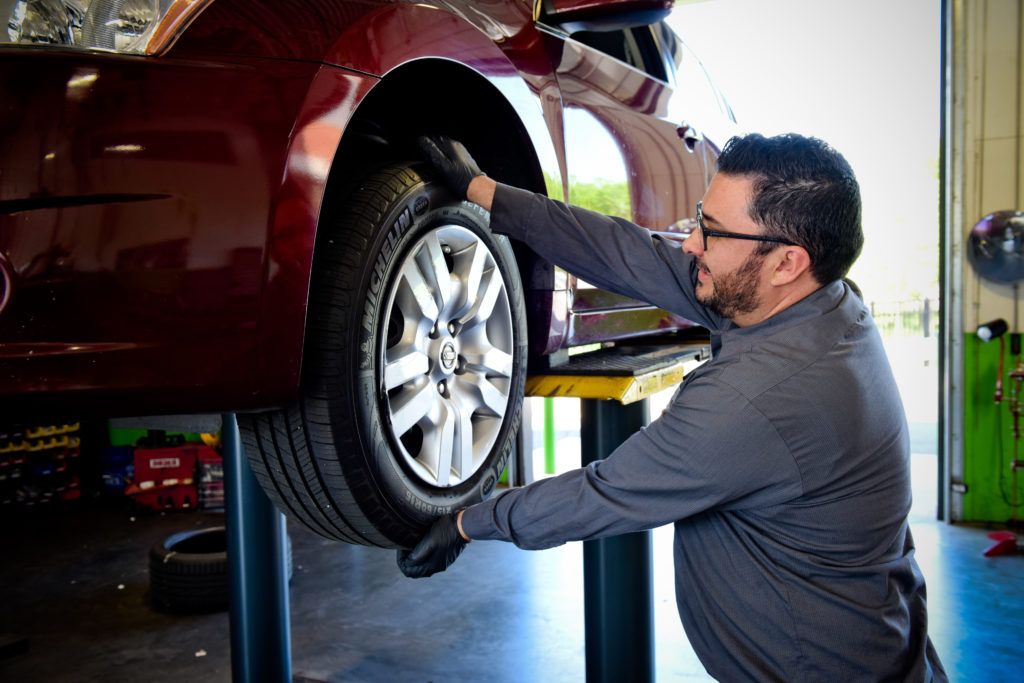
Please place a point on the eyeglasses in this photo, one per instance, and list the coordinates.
(705, 232)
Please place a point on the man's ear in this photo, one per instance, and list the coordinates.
(791, 262)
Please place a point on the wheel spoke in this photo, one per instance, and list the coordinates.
(411, 406)
(405, 368)
(439, 443)
(471, 276)
(485, 300)
(420, 290)
(487, 397)
(463, 446)
(435, 270)
(493, 362)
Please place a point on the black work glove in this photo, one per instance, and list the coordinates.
(451, 160)
(435, 552)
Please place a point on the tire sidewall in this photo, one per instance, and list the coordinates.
(417, 211)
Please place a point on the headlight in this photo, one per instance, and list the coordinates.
(129, 26)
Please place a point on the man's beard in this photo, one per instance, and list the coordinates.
(735, 293)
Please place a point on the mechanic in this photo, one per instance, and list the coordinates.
(783, 461)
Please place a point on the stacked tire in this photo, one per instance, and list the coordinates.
(188, 571)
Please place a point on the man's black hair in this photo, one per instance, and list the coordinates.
(804, 192)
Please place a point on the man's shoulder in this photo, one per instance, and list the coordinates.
(831, 344)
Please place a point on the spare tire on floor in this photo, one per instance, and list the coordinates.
(414, 366)
(188, 571)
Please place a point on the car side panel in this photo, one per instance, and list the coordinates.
(158, 216)
(197, 299)
(328, 106)
(134, 212)
(495, 38)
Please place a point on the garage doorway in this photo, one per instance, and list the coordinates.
(870, 86)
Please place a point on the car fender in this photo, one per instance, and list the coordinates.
(374, 45)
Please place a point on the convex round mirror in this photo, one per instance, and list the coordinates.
(995, 247)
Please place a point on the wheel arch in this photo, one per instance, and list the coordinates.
(386, 74)
(382, 131)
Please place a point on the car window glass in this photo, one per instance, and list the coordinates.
(706, 104)
(669, 43)
(635, 46)
(701, 104)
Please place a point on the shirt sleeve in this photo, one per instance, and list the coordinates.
(606, 251)
(711, 449)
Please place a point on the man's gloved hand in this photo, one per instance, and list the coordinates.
(451, 160)
(435, 552)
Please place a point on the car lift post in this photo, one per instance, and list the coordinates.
(257, 571)
(618, 597)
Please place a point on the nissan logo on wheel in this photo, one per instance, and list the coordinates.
(448, 356)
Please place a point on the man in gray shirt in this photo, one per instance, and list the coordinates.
(783, 462)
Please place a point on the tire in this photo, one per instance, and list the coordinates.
(188, 571)
(413, 372)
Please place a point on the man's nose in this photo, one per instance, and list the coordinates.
(693, 244)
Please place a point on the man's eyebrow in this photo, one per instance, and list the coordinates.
(708, 218)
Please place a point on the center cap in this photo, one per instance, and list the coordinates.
(448, 356)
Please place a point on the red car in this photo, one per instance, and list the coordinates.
(217, 205)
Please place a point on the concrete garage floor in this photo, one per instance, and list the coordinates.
(499, 614)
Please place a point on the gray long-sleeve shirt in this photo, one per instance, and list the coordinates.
(783, 463)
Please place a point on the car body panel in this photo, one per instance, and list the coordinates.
(138, 236)
(158, 215)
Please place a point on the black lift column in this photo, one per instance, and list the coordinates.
(261, 648)
(617, 591)
(613, 385)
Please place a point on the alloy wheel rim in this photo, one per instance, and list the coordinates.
(445, 367)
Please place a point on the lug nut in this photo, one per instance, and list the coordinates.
(451, 328)
(446, 249)
(433, 330)
(442, 387)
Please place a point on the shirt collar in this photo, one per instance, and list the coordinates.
(816, 304)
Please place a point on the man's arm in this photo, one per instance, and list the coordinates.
(609, 252)
(709, 450)
(606, 251)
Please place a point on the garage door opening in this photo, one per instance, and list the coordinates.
(869, 86)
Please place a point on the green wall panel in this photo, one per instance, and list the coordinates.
(988, 435)
(129, 437)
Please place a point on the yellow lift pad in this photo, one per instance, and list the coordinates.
(622, 373)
